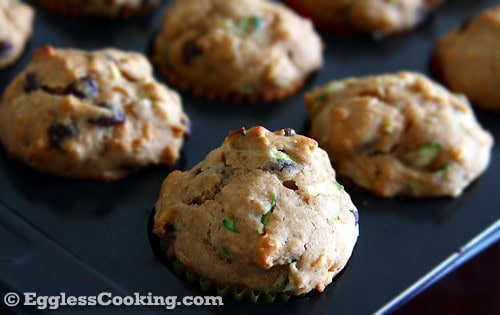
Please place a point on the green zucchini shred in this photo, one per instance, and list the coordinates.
(230, 225)
(265, 218)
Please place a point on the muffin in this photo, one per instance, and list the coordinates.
(95, 115)
(379, 18)
(399, 134)
(245, 50)
(467, 59)
(263, 211)
(100, 8)
(16, 24)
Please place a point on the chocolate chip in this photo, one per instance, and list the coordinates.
(280, 165)
(170, 228)
(117, 118)
(187, 131)
(190, 51)
(465, 25)
(5, 47)
(85, 87)
(355, 214)
(289, 132)
(31, 82)
(290, 184)
(59, 132)
(243, 131)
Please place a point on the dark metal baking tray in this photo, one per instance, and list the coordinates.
(82, 237)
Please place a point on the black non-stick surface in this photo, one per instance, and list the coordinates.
(81, 237)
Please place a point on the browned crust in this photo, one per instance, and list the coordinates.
(267, 96)
(65, 8)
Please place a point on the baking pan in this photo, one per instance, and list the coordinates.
(83, 237)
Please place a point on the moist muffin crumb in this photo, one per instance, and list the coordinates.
(263, 211)
(242, 51)
(16, 24)
(399, 134)
(95, 115)
(467, 59)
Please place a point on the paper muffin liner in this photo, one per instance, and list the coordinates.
(66, 8)
(268, 96)
(239, 294)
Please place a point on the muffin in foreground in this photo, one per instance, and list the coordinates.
(263, 211)
(399, 134)
(243, 51)
(379, 18)
(95, 115)
(16, 24)
(467, 59)
(100, 8)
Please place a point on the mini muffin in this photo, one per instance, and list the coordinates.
(16, 23)
(376, 17)
(399, 134)
(95, 115)
(467, 59)
(263, 211)
(244, 50)
(100, 8)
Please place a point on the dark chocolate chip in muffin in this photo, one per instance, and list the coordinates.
(31, 82)
(188, 125)
(190, 51)
(281, 164)
(289, 132)
(85, 87)
(6, 47)
(59, 132)
(465, 25)
(116, 117)
(355, 213)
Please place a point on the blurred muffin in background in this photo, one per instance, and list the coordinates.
(242, 51)
(16, 25)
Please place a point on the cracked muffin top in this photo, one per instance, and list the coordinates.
(16, 23)
(97, 115)
(263, 211)
(376, 17)
(244, 50)
(467, 59)
(100, 8)
(399, 134)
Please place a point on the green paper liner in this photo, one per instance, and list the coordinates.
(209, 286)
(238, 294)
